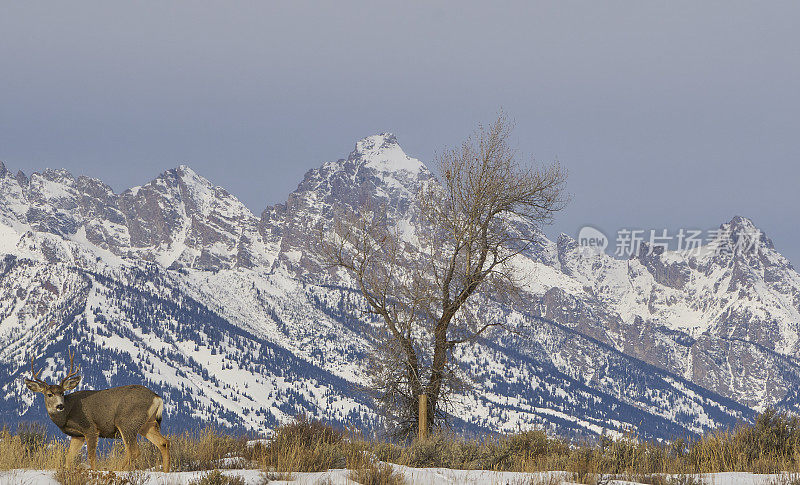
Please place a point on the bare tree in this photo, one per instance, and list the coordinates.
(426, 282)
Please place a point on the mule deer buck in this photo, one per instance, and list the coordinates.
(109, 413)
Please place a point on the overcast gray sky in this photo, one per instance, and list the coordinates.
(667, 114)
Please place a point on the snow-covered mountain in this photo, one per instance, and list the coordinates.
(232, 318)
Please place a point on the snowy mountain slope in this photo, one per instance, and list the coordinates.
(534, 390)
(207, 370)
(234, 319)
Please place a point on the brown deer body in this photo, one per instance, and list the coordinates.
(124, 412)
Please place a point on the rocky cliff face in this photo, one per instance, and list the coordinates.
(725, 317)
(235, 321)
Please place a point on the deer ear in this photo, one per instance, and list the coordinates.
(71, 383)
(34, 386)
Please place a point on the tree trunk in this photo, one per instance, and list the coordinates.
(434, 387)
(423, 417)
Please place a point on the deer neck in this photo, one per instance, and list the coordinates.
(60, 419)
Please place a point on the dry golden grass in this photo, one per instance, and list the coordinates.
(366, 469)
(81, 476)
(18, 450)
(207, 449)
(770, 445)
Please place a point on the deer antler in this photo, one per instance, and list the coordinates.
(35, 375)
(71, 373)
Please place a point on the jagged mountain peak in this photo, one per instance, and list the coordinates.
(739, 225)
(566, 242)
(56, 173)
(377, 167)
(742, 221)
(740, 238)
(193, 189)
(183, 172)
(380, 140)
(190, 176)
(382, 152)
(178, 219)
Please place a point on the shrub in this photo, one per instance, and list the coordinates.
(525, 451)
(305, 445)
(441, 450)
(306, 432)
(72, 476)
(377, 474)
(82, 476)
(32, 435)
(367, 470)
(216, 477)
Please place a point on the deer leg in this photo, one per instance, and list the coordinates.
(75, 445)
(131, 447)
(91, 450)
(153, 434)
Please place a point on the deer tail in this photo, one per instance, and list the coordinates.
(157, 409)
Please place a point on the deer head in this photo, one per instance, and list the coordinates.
(54, 393)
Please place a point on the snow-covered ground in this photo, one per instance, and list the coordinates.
(413, 476)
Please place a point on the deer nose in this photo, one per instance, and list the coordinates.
(60, 407)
